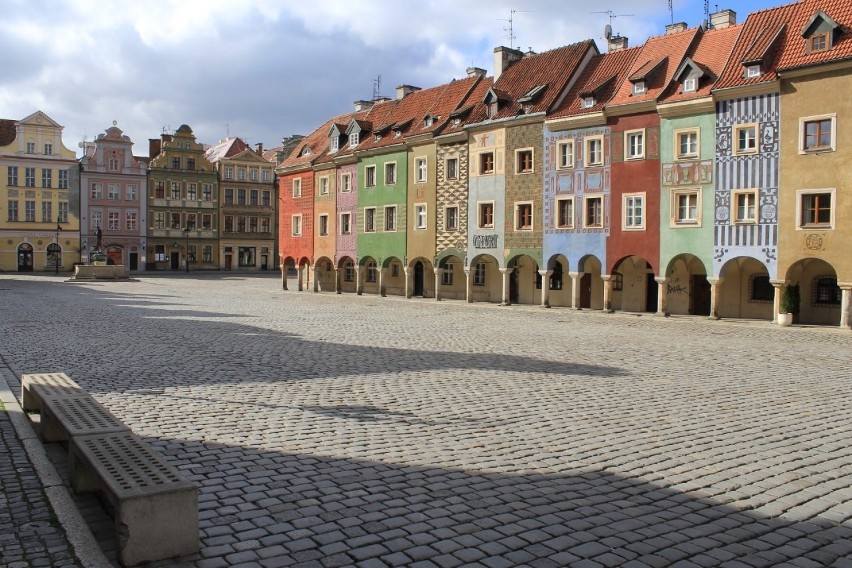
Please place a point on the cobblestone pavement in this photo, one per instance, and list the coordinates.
(328, 430)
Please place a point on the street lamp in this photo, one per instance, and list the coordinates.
(56, 251)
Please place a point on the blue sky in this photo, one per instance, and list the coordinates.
(266, 69)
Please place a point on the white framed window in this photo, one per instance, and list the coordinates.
(323, 185)
(370, 176)
(634, 144)
(229, 172)
(113, 220)
(345, 183)
(524, 216)
(639, 87)
(815, 208)
(131, 220)
(253, 174)
(587, 102)
(334, 144)
(97, 191)
(176, 190)
(485, 211)
(564, 212)
(420, 170)
(390, 173)
(345, 223)
(451, 218)
(593, 211)
(241, 174)
(524, 161)
(322, 225)
(686, 207)
(594, 151)
(30, 147)
(486, 163)
(686, 143)
(818, 133)
(354, 138)
(48, 149)
(113, 191)
(419, 215)
(633, 212)
(297, 187)
(745, 139)
(390, 218)
(565, 154)
(690, 85)
(451, 168)
(752, 71)
(296, 225)
(744, 205)
(130, 192)
(266, 176)
(370, 220)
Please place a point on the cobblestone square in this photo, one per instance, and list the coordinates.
(340, 430)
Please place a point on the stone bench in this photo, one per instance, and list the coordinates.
(65, 416)
(36, 386)
(155, 509)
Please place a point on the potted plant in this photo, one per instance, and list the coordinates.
(789, 309)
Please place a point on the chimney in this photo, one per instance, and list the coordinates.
(675, 28)
(154, 147)
(362, 105)
(258, 147)
(723, 19)
(475, 72)
(404, 90)
(503, 57)
(616, 43)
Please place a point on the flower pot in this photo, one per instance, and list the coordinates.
(785, 320)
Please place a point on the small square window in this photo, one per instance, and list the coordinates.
(753, 71)
(486, 163)
(815, 209)
(524, 161)
(690, 85)
(565, 152)
(593, 217)
(818, 42)
(745, 139)
(524, 217)
(745, 206)
(817, 134)
(686, 207)
(686, 144)
(587, 102)
(639, 87)
(565, 212)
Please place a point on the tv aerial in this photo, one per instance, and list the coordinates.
(612, 15)
(510, 29)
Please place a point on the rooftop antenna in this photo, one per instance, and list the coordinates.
(707, 12)
(612, 15)
(377, 87)
(671, 12)
(511, 27)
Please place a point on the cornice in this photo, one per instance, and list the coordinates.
(578, 121)
(451, 138)
(796, 72)
(631, 108)
(752, 90)
(701, 105)
(504, 122)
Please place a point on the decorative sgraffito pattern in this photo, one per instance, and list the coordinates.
(452, 192)
(758, 171)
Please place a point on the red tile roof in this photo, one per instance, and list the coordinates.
(470, 107)
(711, 53)
(601, 77)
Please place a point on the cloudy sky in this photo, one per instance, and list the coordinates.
(266, 69)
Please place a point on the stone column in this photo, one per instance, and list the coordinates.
(407, 271)
(359, 287)
(382, 275)
(607, 299)
(575, 289)
(337, 289)
(845, 299)
(662, 290)
(545, 287)
(468, 296)
(506, 272)
(439, 272)
(301, 272)
(776, 300)
(283, 277)
(714, 296)
(316, 280)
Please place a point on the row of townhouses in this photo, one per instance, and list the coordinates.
(695, 174)
(186, 205)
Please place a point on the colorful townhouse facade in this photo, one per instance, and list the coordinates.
(40, 190)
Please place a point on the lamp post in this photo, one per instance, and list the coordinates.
(56, 251)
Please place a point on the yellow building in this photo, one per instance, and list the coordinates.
(41, 229)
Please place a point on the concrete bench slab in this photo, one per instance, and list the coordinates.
(64, 416)
(35, 386)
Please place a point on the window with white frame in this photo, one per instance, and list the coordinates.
(46, 177)
(345, 223)
(323, 185)
(486, 163)
(62, 182)
(175, 190)
(451, 218)
(30, 147)
(369, 176)
(633, 216)
(752, 71)
(345, 183)
(241, 173)
(113, 220)
(266, 176)
(744, 203)
(131, 220)
(420, 170)
(334, 144)
(564, 212)
(818, 133)
(297, 187)
(686, 207)
(686, 143)
(46, 212)
(113, 191)
(370, 220)
(815, 208)
(97, 191)
(745, 139)
(451, 166)
(296, 225)
(130, 192)
(479, 274)
(587, 102)
(486, 215)
(390, 173)
(524, 216)
(29, 211)
(593, 211)
(420, 216)
(594, 151)
(565, 151)
(29, 177)
(48, 148)
(323, 225)
(639, 87)
(390, 218)
(524, 161)
(690, 85)
(253, 174)
(354, 139)
(634, 144)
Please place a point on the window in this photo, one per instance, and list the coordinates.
(486, 163)
(370, 275)
(370, 220)
(479, 274)
(296, 225)
(486, 215)
(390, 173)
(253, 174)
(323, 225)
(246, 256)
(818, 42)
(175, 190)
(420, 216)
(97, 191)
(565, 212)
(130, 192)
(594, 151)
(175, 163)
(13, 210)
(348, 271)
(753, 71)
(826, 292)
(420, 170)
(817, 134)
(634, 212)
(160, 190)
(159, 220)
(96, 219)
(685, 207)
(690, 85)
(46, 177)
(207, 192)
(229, 196)
(565, 152)
(452, 168)
(266, 175)
(46, 212)
(131, 221)
(639, 87)
(252, 224)
(266, 198)
(524, 161)
(686, 143)
(745, 206)
(323, 188)
(353, 139)
(760, 289)
(241, 224)
(207, 253)
(451, 218)
(229, 223)
(190, 164)
(345, 223)
(241, 174)
(29, 177)
(264, 224)
(63, 211)
(253, 197)
(524, 216)
(192, 191)
(587, 102)
(390, 218)
(745, 139)
(229, 172)
(113, 191)
(447, 276)
(30, 147)
(594, 212)
(48, 149)
(13, 175)
(241, 196)
(815, 210)
(345, 183)
(370, 176)
(297, 187)
(175, 222)
(113, 221)
(206, 222)
(634, 144)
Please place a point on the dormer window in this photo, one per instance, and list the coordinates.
(753, 71)
(587, 102)
(377, 137)
(397, 133)
(492, 110)
(820, 33)
(305, 152)
(428, 122)
(639, 87)
(818, 42)
(335, 144)
(354, 138)
(690, 85)
(456, 121)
